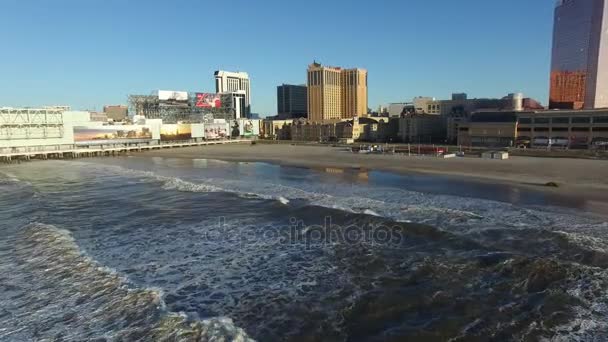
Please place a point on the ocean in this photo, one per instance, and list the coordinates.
(149, 248)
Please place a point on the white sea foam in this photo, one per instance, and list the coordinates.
(457, 214)
(447, 212)
(66, 274)
(8, 177)
(370, 212)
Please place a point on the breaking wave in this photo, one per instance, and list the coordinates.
(69, 296)
(474, 270)
(448, 212)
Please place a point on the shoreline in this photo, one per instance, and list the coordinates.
(575, 177)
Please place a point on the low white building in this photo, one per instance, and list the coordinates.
(39, 129)
(53, 129)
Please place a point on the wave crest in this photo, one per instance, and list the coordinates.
(94, 301)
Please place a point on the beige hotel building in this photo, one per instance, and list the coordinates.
(335, 93)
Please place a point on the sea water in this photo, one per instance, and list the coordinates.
(149, 248)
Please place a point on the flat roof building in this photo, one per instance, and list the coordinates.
(536, 129)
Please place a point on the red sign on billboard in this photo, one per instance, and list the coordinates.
(205, 100)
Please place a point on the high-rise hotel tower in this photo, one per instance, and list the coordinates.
(335, 93)
(227, 82)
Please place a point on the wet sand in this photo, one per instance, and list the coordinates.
(585, 178)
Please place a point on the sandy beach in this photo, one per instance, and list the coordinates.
(576, 176)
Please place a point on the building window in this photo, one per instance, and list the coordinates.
(541, 120)
(600, 129)
(580, 129)
(581, 120)
(561, 120)
(524, 129)
(560, 129)
(600, 119)
(525, 120)
(541, 129)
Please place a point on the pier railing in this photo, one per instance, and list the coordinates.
(79, 151)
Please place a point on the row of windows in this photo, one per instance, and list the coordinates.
(565, 120)
(563, 129)
(555, 129)
(319, 77)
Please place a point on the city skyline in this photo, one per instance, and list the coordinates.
(86, 65)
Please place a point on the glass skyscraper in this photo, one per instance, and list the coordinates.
(292, 101)
(579, 67)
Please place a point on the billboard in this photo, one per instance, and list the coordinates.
(97, 135)
(175, 132)
(245, 127)
(216, 131)
(170, 95)
(205, 100)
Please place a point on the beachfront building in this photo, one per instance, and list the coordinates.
(335, 93)
(195, 107)
(571, 128)
(278, 129)
(381, 129)
(582, 129)
(459, 109)
(346, 131)
(489, 129)
(38, 129)
(421, 128)
(579, 64)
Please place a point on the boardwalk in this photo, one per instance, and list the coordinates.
(97, 151)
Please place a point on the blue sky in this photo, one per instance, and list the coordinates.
(87, 53)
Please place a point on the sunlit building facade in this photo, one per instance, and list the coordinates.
(228, 82)
(579, 67)
(335, 93)
(354, 93)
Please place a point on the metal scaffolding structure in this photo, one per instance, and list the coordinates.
(31, 123)
(151, 107)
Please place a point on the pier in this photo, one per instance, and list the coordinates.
(100, 151)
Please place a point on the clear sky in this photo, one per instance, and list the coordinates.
(87, 53)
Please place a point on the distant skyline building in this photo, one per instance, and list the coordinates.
(238, 103)
(579, 60)
(335, 93)
(227, 82)
(292, 101)
(354, 93)
(324, 93)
